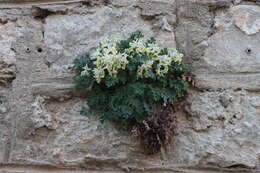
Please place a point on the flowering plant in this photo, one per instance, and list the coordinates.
(134, 83)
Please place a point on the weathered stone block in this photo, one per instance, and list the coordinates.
(247, 18)
(226, 134)
(220, 125)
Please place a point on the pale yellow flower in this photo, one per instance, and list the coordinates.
(175, 55)
(85, 71)
(107, 58)
(145, 70)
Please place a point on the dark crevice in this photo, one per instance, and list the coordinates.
(212, 25)
(256, 1)
(236, 166)
(147, 17)
(106, 2)
(86, 3)
(42, 13)
(220, 4)
(91, 3)
(13, 49)
(3, 21)
(43, 34)
(7, 77)
(39, 13)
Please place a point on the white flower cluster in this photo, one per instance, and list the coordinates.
(166, 60)
(141, 46)
(107, 58)
(153, 50)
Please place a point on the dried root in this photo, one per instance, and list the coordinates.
(157, 130)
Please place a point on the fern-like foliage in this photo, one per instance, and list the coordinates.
(127, 98)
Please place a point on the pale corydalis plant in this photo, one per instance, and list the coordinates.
(107, 58)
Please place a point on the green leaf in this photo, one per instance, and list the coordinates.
(126, 98)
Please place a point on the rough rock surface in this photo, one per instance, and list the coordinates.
(247, 18)
(227, 122)
(41, 129)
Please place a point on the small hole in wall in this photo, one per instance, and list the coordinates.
(13, 49)
(27, 50)
(39, 50)
(248, 51)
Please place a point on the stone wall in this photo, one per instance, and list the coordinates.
(40, 126)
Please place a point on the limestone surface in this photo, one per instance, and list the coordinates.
(41, 128)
